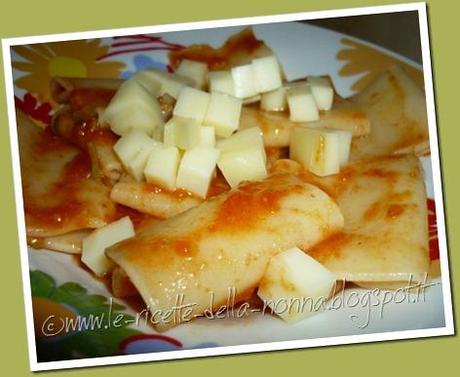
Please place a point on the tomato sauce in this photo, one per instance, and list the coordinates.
(248, 205)
(70, 208)
(244, 42)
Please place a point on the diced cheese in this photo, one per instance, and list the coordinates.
(267, 74)
(223, 113)
(94, 245)
(207, 136)
(183, 133)
(302, 105)
(246, 164)
(192, 104)
(244, 81)
(322, 92)
(161, 167)
(345, 137)
(275, 100)
(316, 149)
(196, 169)
(221, 81)
(196, 71)
(136, 166)
(132, 107)
(243, 156)
(174, 84)
(241, 140)
(130, 144)
(150, 84)
(133, 149)
(295, 286)
(169, 83)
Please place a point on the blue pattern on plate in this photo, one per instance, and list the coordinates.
(143, 62)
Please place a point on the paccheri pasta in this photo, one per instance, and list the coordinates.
(196, 164)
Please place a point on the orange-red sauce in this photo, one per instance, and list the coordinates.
(218, 185)
(330, 246)
(184, 246)
(69, 207)
(248, 205)
(395, 210)
(244, 42)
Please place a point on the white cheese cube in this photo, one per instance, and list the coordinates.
(242, 139)
(130, 144)
(150, 84)
(223, 113)
(221, 81)
(169, 137)
(316, 149)
(276, 100)
(132, 107)
(169, 83)
(161, 168)
(247, 164)
(196, 169)
(322, 92)
(345, 138)
(295, 286)
(267, 74)
(181, 132)
(244, 81)
(174, 84)
(192, 104)
(94, 245)
(195, 71)
(207, 136)
(136, 166)
(133, 149)
(302, 104)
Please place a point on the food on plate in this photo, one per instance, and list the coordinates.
(70, 243)
(132, 107)
(196, 170)
(133, 149)
(62, 88)
(385, 237)
(197, 72)
(152, 199)
(162, 165)
(242, 157)
(225, 174)
(396, 108)
(239, 49)
(321, 151)
(322, 90)
(224, 242)
(277, 127)
(302, 105)
(59, 193)
(223, 113)
(159, 83)
(275, 100)
(94, 245)
(295, 285)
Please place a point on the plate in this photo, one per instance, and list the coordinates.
(69, 301)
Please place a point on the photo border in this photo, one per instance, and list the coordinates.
(448, 329)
